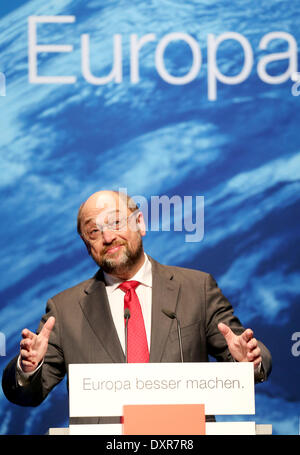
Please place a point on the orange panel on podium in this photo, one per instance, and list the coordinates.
(182, 419)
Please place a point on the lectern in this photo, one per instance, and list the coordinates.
(144, 396)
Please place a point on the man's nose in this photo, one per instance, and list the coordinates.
(108, 236)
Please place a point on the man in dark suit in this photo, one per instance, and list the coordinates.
(85, 324)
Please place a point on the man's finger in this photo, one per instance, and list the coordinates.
(27, 334)
(24, 354)
(26, 343)
(252, 344)
(47, 328)
(247, 335)
(253, 354)
(26, 363)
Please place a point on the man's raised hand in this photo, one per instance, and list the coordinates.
(243, 348)
(33, 347)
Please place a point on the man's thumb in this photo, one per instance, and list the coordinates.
(48, 326)
(225, 330)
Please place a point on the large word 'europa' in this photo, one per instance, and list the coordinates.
(214, 75)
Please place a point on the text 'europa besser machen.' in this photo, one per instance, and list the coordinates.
(160, 384)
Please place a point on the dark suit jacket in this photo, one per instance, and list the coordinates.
(84, 331)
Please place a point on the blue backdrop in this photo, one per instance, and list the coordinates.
(158, 118)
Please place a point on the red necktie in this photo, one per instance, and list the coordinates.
(137, 346)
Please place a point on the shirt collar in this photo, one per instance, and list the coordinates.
(143, 275)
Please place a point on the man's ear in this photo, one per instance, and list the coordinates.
(141, 224)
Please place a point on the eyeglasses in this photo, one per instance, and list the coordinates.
(114, 223)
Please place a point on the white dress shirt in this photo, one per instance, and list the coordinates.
(116, 299)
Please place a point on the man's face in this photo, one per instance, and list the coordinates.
(113, 234)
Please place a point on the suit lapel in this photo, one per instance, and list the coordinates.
(95, 307)
(165, 292)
